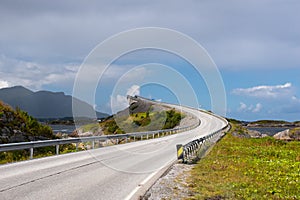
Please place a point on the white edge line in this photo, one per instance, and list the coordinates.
(140, 185)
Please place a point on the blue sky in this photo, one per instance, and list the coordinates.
(255, 45)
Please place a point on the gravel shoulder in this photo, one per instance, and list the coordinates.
(172, 185)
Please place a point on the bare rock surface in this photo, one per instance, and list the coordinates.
(288, 134)
(188, 120)
(255, 134)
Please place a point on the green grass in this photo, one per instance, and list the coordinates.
(295, 129)
(242, 168)
(90, 127)
(20, 155)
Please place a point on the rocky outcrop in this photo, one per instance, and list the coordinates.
(243, 132)
(288, 135)
(255, 134)
(81, 133)
(141, 115)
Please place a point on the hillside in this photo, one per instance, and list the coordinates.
(18, 126)
(139, 116)
(44, 104)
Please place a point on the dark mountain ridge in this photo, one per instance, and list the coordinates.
(45, 104)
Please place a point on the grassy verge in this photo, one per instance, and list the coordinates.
(19, 155)
(245, 168)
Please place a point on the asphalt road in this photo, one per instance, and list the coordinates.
(116, 172)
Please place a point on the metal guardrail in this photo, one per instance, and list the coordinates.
(190, 150)
(134, 136)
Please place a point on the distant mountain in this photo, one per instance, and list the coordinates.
(45, 104)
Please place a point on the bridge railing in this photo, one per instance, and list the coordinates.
(198, 147)
(93, 139)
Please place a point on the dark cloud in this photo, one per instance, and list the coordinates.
(42, 42)
(236, 33)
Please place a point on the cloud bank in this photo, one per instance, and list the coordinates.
(264, 91)
(280, 101)
(252, 33)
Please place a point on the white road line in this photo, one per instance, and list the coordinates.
(140, 185)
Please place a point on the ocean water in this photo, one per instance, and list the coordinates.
(268, 130)
(68, 129)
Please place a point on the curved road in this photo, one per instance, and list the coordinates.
(117, 172)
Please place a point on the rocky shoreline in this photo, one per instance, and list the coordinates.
(272, 123)
(289, 134)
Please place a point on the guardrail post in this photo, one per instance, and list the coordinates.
(57, 149)
(93, 144)
(77, 146)
(31, 153)
(147, 136)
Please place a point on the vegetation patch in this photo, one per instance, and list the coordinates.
(269, 122)
(18, 126)
(143, 121)
(248, 168)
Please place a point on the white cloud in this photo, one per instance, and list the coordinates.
(275, 101)
(255, 109)
(133, 90)
(35, 75)
(4, 84)
(242, 107)
(264, 91)
(293, 106)
(119, 102)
